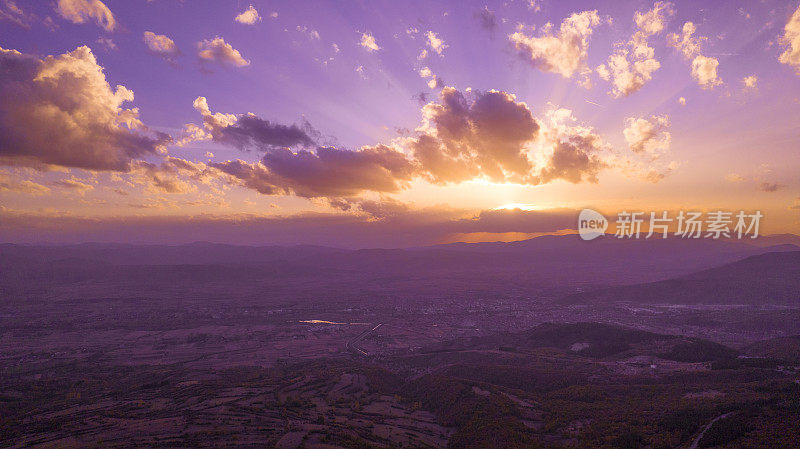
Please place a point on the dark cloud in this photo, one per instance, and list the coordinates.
(328, 172)
(487, 19)
(770, 187)
(61, 111)
(396, 227)
(252, 131)
(248, 131)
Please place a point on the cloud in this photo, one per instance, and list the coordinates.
(494, 137)
(310, 33)
(461, 139)
(61, 111)
(368, 41)
(396, 227)
(704, 68)
(107, 43)
(534, 5)
(80, 11)
(249, 16)
(245, 131)
(166, 176)
(573, 161)
(486, 19)
(649, 140)
(791, 40)
(11, 12)
(463, 136)
(564, 52)
(686, 42)
(655, 20)
(10, 183)
(704, 71)
(436, 43)
(631, 66)
(161, 46)
(648, 135)
(734, 178)
(568, 151)
(74, 185)
(682, 101)
(220, 52)
(434, 81)
(770, 187)
(750, 82)
(327, 172)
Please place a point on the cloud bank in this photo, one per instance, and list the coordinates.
(61, 111)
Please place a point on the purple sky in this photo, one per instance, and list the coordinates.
(439, 110)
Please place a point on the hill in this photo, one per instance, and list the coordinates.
(771, 278)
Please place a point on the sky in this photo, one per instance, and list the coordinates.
(390, 123)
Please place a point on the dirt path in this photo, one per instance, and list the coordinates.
(705, 429)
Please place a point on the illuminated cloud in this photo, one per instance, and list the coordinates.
(682, 101)
(433, 80)
(73, 185)
(11, 12)
(649, 140)
(791, 40)
(648, 135)
(704, 68)
(9, 183)
(435, 43)
(167, 176)
(750, 82)
(734, 178)
(564, 52)
(80, 11)
(704, 71)
(160, 45)
(464, 139)
(220, 52)
(249, 16)
(368, 41)
(631, 66)
(686, 42)
(61, 111)
(568, 151)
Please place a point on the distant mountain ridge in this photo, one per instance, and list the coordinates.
(556, 264)
(770, 278)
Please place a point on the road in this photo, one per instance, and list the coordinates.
(705, 429)
(351, 345)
